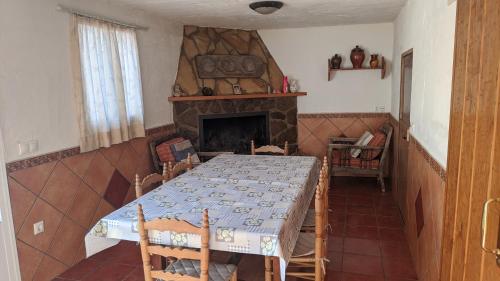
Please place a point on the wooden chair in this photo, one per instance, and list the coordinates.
(188, 264)
(311, 248)
(269, 149)
(149, 180)
(181, 167)
(309, 222)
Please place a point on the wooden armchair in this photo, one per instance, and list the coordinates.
(371, 160)
(269, 149)
(158, 165)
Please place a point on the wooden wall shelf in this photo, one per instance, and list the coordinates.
(332, 71)
(236, 97)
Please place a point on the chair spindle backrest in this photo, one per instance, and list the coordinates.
(177, 226)
(269, 149)
(149, 180)
(181, 167)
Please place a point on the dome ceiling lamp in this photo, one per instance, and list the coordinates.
(266, 7)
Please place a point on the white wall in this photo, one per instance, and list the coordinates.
(427, 26)
(36, 99)
(302, 53)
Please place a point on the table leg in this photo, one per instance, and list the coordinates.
(268, 268)
(276, 269)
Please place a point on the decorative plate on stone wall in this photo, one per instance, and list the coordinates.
(229, 66)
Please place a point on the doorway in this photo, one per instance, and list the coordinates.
(404, 125)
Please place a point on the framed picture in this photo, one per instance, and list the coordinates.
(236, 89)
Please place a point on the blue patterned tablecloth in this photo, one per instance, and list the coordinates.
(256, 205)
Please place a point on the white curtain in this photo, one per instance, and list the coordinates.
(107, 82)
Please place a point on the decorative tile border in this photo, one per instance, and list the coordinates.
(59, 155)
(344, 115)
(428, 158)
(169, 128)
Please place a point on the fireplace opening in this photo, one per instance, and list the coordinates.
(233, 132)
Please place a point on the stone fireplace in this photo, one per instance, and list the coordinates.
(277, 124)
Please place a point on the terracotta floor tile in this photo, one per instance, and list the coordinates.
(335, 263)
(333, 276)
(392, 221)
(366, 232)
(335, 244)
(362, 246)
(361, 210)
(110, 272)
(394, 249)
(361, 264)
(387, 211)
(397, 267)
(360, 201)
(81, 269)
(360, 277)
(136, 275)
(391, 234)
(361, 220)
(338, 230)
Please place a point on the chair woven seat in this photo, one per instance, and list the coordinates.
(309, 221)
(216, 271)
(305, 245)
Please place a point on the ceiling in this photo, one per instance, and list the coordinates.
(295, 13)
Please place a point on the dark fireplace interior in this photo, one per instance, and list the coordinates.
(233, 132)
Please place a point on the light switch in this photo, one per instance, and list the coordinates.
(22, 148)
(33, 146)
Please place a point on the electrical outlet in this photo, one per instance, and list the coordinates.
(380, 108)
(38, 227)
(22, 148)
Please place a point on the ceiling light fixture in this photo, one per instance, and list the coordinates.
(266, 7)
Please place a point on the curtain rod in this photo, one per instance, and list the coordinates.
(82, 14)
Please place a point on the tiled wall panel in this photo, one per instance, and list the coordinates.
(314, 130)
(424, 175)
(70, 191)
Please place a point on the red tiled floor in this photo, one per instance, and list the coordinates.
(398, 267)
(361, 220)
(366, 232)
(367, 243)
(361, 246)
(362, 264)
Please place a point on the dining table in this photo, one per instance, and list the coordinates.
(256, 205)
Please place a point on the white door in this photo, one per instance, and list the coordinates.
(9, 266)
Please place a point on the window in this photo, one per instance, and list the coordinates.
(110, 92)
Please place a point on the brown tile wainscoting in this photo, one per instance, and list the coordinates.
(70, 191)
(425, 202)
(315, 129)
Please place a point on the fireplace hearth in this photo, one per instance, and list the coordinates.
(233, 132)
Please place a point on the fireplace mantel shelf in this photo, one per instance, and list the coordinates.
(236, 97)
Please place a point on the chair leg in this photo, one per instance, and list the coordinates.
(382, 182)
(268, 268)
(235, 276)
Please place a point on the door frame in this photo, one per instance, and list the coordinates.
(398, 160)
(7, 225)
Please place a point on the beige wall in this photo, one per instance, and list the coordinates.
(36, 100)
(302, 53)
(427, 26)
